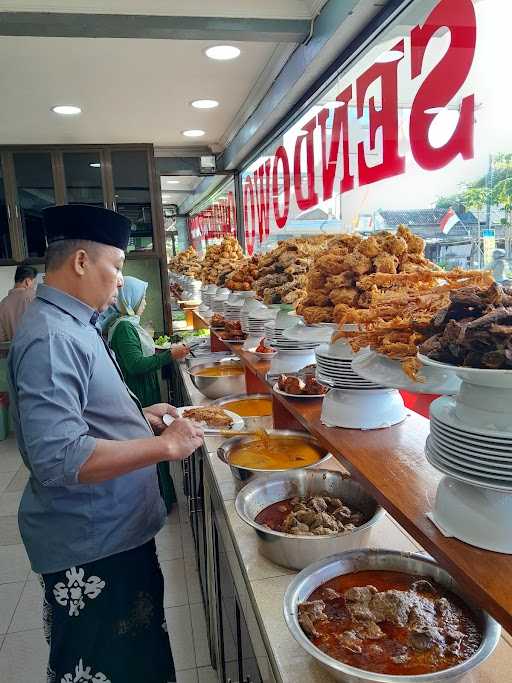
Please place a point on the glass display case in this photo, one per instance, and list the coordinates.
(35, 191)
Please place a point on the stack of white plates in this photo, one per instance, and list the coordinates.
(274, 337)
(256, 321)
(473, 455)
(220, 300)
(250, 307)
(334, 368)
(233, 311)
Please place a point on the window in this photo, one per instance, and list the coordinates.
(215, 219)
(416, 131)
(132, 196)
(82, 172)
(5, 239)
(34, 183)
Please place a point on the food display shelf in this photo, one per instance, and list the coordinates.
(390, 463)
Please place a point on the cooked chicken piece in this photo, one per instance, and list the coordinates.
(291, 385)
(350, 641)
(314, 609)
(386, 263)
(329, 264)
(344, 295)
(323, 519)
(359, 263)
(306, 516)
(317, 314)
(335, 503)
(360, 594)
(415, 245)
(330, 594)
(426, 638)
(317, 503)
(315, 279)
(342, 514)
(369, 247)
(344, 279)
(211, 415)
(307, 624)
(394, 245)
(315, 298)
(313, 387)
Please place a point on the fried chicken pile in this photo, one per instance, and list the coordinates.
(219, 260)
(334, 280)
(186, 263)
(399, 309)
(242, 278)
(282, 272)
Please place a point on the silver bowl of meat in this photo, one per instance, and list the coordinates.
(300, 516)
(416, 626)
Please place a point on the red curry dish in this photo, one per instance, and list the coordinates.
(390, 622)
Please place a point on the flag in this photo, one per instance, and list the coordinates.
(449, 219)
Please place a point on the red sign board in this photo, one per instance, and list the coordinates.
(268, 189)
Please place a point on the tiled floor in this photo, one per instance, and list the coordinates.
(23, 650)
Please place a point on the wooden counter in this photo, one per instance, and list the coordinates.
(391, 465)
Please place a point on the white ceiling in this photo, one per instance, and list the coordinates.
(177, 193)
(129, 90)
(275, 9)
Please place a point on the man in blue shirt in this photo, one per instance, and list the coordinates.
(91, 507)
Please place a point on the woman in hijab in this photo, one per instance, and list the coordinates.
(135, 353)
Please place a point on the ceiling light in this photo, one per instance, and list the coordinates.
(96, 164)
(193, 133)
(222, 52)
(172, 182)
(205, 104)
(66, 109)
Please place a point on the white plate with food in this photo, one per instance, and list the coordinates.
(214, 419)
(284, 393)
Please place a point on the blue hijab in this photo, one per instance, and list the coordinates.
(129, 299)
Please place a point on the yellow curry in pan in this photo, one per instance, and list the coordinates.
(275, 453)
(250, 407)
(219, 371)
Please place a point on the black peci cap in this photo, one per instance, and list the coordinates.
(84, 222)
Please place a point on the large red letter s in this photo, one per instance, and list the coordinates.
(443, 83)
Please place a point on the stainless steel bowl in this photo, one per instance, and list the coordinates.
(243, 474)
(318, 573)
(253, 421)
(297, 552)
(215, 387)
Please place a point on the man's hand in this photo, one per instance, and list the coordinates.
(155, 413)
(182, 438)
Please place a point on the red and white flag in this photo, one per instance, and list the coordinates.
(449, 219)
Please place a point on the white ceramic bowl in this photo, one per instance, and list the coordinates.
(478, 516)
(369, 409)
